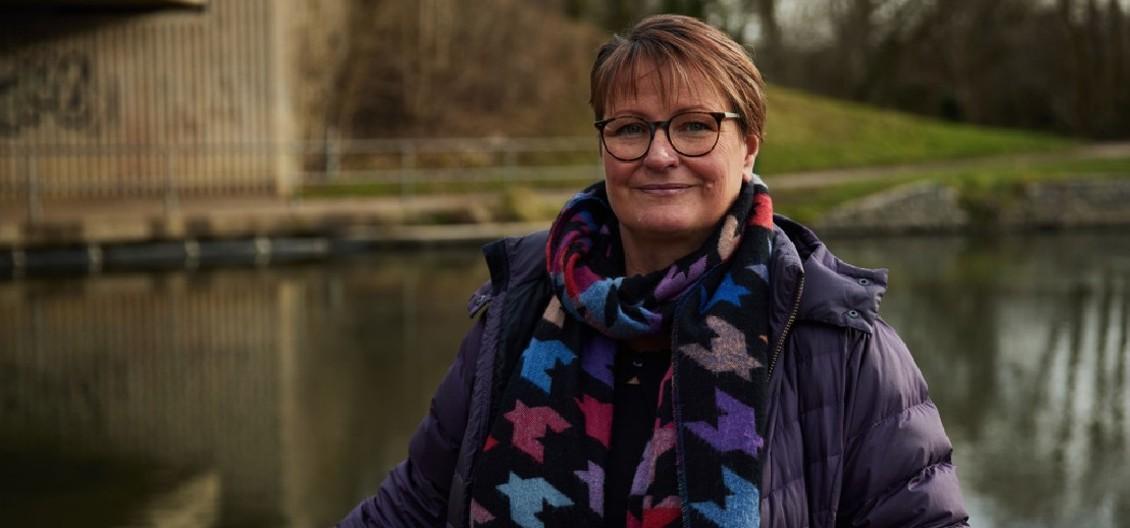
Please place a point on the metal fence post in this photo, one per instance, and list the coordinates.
(171, 198)
(509, 163)
(288, 152)
(407, 163)
(34, 202)
(332, 154)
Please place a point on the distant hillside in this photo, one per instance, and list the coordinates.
(520, 69)
(805, 132)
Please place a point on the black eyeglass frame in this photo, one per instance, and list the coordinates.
(665, 125)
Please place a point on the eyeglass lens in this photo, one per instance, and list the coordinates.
(690, 133)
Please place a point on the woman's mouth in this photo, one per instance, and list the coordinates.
(663, 189)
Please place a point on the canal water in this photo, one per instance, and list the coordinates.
(281, 396)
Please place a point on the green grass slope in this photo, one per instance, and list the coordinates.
(803, 132)
(808, 132)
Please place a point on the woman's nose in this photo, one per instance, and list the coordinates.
(661, 154)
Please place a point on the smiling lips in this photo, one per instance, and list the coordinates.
(663, 189)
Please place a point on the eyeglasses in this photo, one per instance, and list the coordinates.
(691, 134)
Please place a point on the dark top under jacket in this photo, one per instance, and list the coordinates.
(635, 396)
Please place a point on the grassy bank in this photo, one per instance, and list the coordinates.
(988, 186)
(807, 132)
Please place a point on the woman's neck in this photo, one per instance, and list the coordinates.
(644, 254)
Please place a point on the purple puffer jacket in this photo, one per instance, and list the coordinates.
(854, 439)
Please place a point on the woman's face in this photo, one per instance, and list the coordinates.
(666, 198)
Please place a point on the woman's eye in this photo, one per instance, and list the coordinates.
(696, 126)
(630, 129)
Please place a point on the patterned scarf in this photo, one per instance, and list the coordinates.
(545, 459)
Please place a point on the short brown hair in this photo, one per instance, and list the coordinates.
(679, 45)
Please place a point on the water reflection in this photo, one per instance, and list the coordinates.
(1024, 342)
(282, 396)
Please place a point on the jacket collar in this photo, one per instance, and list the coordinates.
(511, 262)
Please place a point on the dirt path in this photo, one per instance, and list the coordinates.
(802, 180)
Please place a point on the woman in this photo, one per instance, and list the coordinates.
(671, 353)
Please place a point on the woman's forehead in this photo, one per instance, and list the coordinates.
(671, 86)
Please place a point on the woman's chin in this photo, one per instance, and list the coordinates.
(667, 228)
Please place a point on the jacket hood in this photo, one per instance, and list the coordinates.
(831, 290)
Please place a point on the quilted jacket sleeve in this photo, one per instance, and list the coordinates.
(897, 466)
(415, 491)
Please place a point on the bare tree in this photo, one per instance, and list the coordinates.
(771, 45)
(1062, 65)
(446, 66)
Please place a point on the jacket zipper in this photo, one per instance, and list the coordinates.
(677, 415)
(785, 332)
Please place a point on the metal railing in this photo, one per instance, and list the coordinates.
(38, 173)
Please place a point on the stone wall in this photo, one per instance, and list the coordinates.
(129, 103)
(913, 207)
(1071, 203)
(932, 207)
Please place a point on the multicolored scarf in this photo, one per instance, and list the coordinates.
(545, 459)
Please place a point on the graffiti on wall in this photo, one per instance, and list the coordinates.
(45, 87)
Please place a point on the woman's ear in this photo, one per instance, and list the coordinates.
(753, 145)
